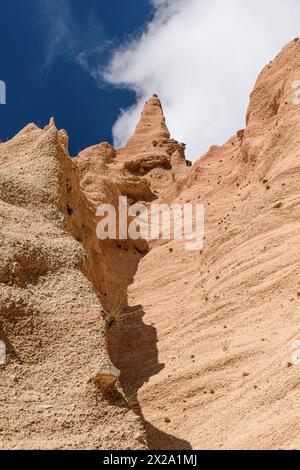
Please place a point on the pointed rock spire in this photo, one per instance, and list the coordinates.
(52, 122)
(151, 128)
(151, 145)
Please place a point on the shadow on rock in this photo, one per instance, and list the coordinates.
(132, 347)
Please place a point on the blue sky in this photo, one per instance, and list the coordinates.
(49, 52)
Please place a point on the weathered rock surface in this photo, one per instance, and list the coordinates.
(50, 313)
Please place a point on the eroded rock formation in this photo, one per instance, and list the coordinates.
(203, 340)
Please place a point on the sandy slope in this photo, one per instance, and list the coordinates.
(215, 329)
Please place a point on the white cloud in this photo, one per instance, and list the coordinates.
(202, 57)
